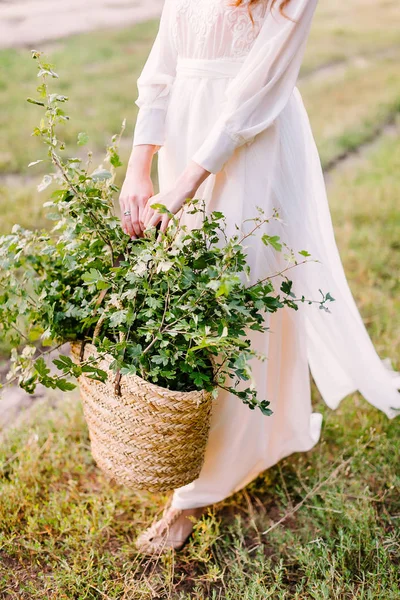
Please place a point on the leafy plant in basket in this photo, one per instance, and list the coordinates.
(173, 308)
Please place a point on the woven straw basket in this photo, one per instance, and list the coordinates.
(146, 437)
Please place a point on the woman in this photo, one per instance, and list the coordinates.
(218, 102)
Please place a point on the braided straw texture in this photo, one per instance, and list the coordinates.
(149, 437)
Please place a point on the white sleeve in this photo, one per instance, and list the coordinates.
(261, 89)
(154, 85)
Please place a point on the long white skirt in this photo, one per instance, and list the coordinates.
(280, 169)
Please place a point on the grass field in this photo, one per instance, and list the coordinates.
(66, 532)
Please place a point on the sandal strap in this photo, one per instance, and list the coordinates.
(151, 540)
(171, 515)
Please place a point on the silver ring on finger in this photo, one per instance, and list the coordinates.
(127, 213)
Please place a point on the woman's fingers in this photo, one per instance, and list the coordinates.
(142, 208)
(132, 209)
(135, 192)
(148, 215)
(145, 216)
(164, 223)
(154, 219)
(126, 218)
(134, 217)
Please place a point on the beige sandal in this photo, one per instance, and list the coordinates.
(156, 539)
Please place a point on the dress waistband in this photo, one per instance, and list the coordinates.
(213, 68)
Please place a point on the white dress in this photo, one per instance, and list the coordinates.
(221, 90)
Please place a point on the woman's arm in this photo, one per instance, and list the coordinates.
(136, 189)
(154, 85)
(263, 86)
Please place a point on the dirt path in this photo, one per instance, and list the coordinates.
(30, 22)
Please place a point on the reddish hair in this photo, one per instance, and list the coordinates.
(282, 7)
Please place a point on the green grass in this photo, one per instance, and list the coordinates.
(367, 220)
(97, 70)
(348, 109)
(66, 532)
(356, 27)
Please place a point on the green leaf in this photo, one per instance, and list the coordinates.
(83, 138)
(329, 297)
(115, 160)
(42, 90)
(41, 367)
(264, 408)
(101, 175)
(286, 288)
(46, 181)
(64, 385)
(99, 375)
(199, 378)
(33, 101)
(161, 208)
(95, 277)
(57, 98)
(47, 70)
(118, 318)
(272, 240)
(154, 302)
(159, 360)
(63, 362)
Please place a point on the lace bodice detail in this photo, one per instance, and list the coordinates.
(215, 28)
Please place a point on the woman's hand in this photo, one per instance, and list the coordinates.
(185, 187)
(136, 190)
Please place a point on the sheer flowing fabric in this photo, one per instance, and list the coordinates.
(221, 90)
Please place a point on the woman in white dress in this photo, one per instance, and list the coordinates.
(218, 101)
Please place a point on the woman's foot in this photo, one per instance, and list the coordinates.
(171, 531)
